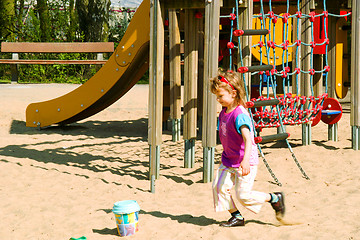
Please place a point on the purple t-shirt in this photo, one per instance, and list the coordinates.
(231, 138)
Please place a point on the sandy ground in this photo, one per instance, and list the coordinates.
(59, 183)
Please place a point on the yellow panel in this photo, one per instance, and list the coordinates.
(341, 67)
(276, 36)
(60, 109)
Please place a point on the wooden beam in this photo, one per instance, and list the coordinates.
(175, 74)
(57, 47)
(186, 4)
(305, 83)
(156, 77)
(305, 50)
(35, 61)
(175, 68)
(211, 55)
(190, 87)
(190, 75)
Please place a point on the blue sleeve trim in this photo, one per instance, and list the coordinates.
(242, 119)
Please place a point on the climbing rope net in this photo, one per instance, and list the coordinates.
(288, 107)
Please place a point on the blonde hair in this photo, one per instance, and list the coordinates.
(232, 81)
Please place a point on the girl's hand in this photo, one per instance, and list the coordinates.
(245, 164)
(245, 167)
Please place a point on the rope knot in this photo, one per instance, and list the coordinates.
(230, 45)
(243, 69)
(312, 16)
(271, 14)
(274, 20)
(238, 32)
(285, 17)
(271, 44)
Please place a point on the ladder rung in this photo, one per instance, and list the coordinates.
(249, 32)
(255, 68)
(270, 138)
(262, 103)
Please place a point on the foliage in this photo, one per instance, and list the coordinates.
(28, 30)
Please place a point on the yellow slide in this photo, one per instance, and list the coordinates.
(123, 69)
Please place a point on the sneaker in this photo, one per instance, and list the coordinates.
(233, 222)
(279, 206)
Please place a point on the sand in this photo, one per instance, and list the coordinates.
(59, 183)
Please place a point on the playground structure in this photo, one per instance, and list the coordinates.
(129, 62)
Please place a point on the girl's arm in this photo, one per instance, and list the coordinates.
(245, 164)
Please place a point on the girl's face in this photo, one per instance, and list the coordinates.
(225, 98)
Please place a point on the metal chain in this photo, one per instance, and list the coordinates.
(268, 167)
(272, 173)
(299, 166)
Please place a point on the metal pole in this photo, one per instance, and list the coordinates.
(355, 77)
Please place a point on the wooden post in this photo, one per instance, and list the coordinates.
(200, 42)
(175, 74)
(305, 65)
(156, 73)
(355, 76)
(211, 54)
(318, 65)
(296, 26)
(333, 8)
(14, 69)
(190, 87)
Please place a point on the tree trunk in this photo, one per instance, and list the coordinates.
(93, 18)
(72, 27)
(44, 20)
(7, 19)
(19, 16)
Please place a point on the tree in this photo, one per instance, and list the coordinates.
(7, 19)
(72, 25)
(19, 15)
(93, 19)
(44, 20)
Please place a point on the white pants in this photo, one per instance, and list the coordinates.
(226, 178)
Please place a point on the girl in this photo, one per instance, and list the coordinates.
(239, 158)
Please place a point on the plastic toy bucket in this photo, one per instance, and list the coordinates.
(127, 217)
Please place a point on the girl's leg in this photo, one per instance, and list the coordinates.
(250, 199)
(222, 185)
